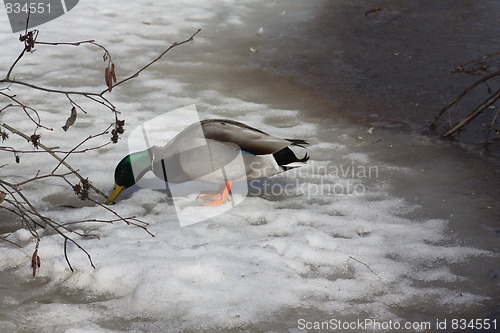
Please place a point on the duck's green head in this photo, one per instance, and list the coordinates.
(140, 163)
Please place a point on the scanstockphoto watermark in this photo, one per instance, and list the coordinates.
(39, 12)
(369, 324)
(373, 324)
(318, 180)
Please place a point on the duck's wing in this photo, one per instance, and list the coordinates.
(204, 148)
(178, 166)
(247, 138)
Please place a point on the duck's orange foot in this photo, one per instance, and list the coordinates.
(217, 197)
(211, 195)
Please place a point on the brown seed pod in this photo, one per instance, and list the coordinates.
(113, 72)
(109, 79)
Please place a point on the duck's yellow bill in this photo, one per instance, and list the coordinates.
(116, 191)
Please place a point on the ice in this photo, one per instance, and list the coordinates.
(313, 248)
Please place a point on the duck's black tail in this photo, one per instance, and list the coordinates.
(286, 157)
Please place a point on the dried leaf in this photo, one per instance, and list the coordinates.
(4, 135)
(82, 189)
(373, 10)
(35, 139)
(109, 76)
(109, 79)
(114, 136)
(77, 188)
(29, 41)
(110, 83)
(113, 72)
(106, 75)
(117, 130)
(71, 120)
(35, 261)
(2, 196)
(84, 194)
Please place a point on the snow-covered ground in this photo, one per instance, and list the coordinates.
(316, 243)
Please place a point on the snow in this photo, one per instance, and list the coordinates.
(274, 253)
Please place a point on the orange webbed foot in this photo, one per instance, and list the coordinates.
(217, 197)
(211, 195)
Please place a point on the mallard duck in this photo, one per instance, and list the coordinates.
(201, 150)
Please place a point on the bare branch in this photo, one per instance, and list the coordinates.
(49, 151)
(362, 263)
(465, 92)
(4, 238)
(61, 161)
(136, 74)
(473, 114)
(480, 61)
(17, 202)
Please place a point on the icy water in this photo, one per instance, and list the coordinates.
(420, 214)
(396, 63)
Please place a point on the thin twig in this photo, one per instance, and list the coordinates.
(350, 257)
(486, 104)
(136, 74)
(78, 145)
(4, 238)
(66, 254)
(465, 92)
(491, 127)
(69, 167)
(461, 68)
(25, 108)
(54, 150)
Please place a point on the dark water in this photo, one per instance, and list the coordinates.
(393, 69)
(394, 66)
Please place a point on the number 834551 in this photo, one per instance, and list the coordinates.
(32, 7)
